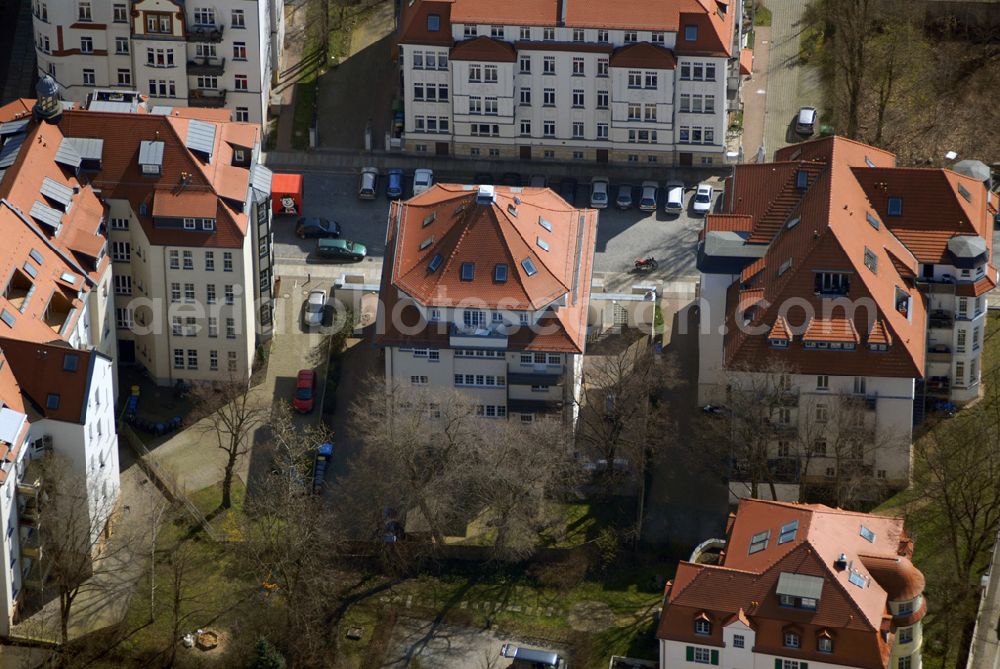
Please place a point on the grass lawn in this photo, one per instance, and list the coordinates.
(762, 16)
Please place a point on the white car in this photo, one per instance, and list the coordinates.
(703, 199)
(599, 192)
(675, 197)
(647, 201)
(422, 180)
(315, 305)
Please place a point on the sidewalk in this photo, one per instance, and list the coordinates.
(754, 96)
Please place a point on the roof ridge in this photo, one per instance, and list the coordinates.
(833, 577)
(528, 243)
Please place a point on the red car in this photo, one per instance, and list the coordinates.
(305, 391)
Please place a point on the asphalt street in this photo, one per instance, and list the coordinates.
(622, 237)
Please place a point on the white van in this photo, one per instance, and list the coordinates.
(368, 185)
(675, 197)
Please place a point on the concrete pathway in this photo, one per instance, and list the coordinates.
(105, 598)
(192, 457)
(984, 652)
(290, 69)
(754, 95)
(790, 85)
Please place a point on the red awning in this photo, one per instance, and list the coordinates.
(286, 193)
(746, 61)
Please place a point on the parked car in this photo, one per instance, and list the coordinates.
(675, 197)
(703, 199)
(394, 184)
(532, 657)
(538, 181)
(483, 179)
(314, 227)
(805, 121)
(422, 180)
(599, 192)
(315, 308)
(567, 190)
(305, 391)
(340, 250)
(368, 185)
(647, 201)
(511, 179)
(624, 198)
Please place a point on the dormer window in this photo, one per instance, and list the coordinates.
(150, 157)
(778, 343)
(792, 640)
(691, 33)
(433, 23)
(832, 283)
(895, 206)
(824, 644)
(702, 627)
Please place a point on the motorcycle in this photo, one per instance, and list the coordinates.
(645, 264)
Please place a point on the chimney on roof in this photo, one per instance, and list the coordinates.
(841, 562)
(486, 195)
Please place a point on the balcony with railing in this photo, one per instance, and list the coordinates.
(938, 386)
(940, 319)
(204, 33)
(939, 353)
(206, 65)
(207, 97)
(30, 542)
(37, 573)
(476, 337)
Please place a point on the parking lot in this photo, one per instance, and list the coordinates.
(622, 237)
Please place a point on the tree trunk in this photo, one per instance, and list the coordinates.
(227, 481)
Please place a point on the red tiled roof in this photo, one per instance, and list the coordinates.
(728, 223)
(743, 587)
(413, 22)
(780, 329)
(186, 203)
(526, 224)
(41, 371)
(833, 329)
(980, 287)
(510, 12)
(879, 335)
(829, 232)
(484, 49)
(644, 54)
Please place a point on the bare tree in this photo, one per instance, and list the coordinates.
(618, 421)
(230, 426)
(432, 453)
(187, 597)
(83, 562)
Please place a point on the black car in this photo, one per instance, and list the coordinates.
(567, 189)
(340, 249)
(483, 179)
(511, 179)
(319, 228)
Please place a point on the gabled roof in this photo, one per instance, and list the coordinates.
(484, 49)
(414, 26)
(644, 54)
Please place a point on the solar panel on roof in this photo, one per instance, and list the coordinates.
(8, 152)
(67, 154)
(150, 153)
(46, 215)
(57, 192)
(14, 127)
(201, 137)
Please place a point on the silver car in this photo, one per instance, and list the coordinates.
(315, 306)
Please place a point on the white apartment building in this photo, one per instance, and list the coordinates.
(180, 54)
(486, 290)
(571, 80)
(57, 343)
(796, 586)
(853, 282)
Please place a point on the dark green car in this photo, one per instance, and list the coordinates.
(340, 250)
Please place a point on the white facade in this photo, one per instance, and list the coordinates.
(563, 97)
(218, 54)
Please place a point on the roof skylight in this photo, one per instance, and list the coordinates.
(529, 267)
(758, 542)
(435, 263)
(868, 535)
(500, 273)
(788, 532)
(468, 271)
